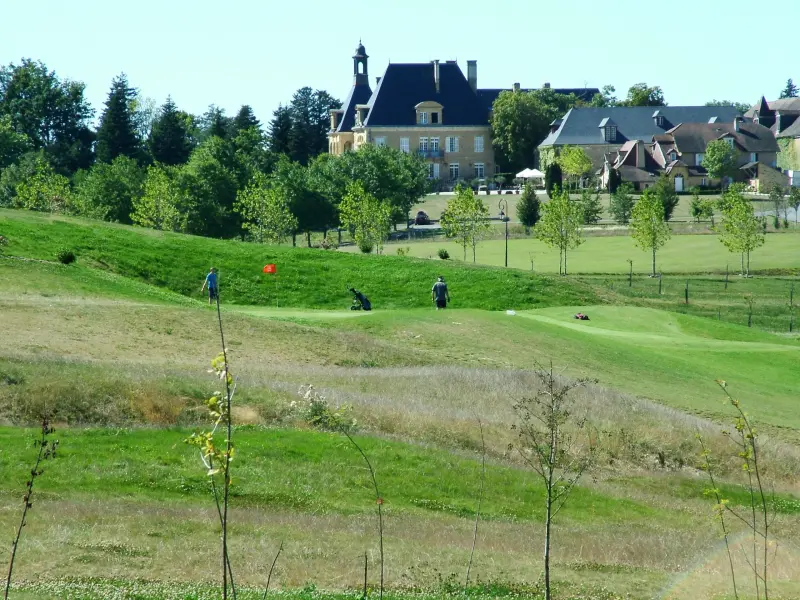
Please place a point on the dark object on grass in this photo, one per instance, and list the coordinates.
(360, 301)
(422, 218)
(582, 317)
(443, 253)
(65, 257)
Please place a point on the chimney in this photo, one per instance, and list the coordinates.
(472, 74)
(546, 85)
(777, 122)
(736, 121)
(378, 80)
(516, 87)
(436, 74)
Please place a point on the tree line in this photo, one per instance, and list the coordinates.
(159, 166)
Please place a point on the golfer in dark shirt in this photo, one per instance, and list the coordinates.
(439, 293)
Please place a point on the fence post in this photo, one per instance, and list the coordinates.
(660, 278)
(630, 273)
(686, 293)
(365, 576)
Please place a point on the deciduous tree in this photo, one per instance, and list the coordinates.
(265, 211)
(163, 203)
(605, 98)
(12, 144)
(719, 159)
(641, 94)
(44, 191)
(466, 219)
(741, 230)
(553, 178)
(742, 107)
(109, 191)
(575, 163)
(648, 228)
(664, 189)
(367, 217)
(560, 226)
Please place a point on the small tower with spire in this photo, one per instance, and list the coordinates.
(360, 72)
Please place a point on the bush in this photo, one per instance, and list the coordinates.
(443, 254)
(3, 242)
(365, 246)
(65, 256)
(315, 410)
(403, 251)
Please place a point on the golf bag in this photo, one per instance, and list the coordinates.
(360, 301)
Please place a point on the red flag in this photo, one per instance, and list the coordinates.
(270, 268)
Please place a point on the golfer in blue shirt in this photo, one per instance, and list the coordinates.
(211, 282)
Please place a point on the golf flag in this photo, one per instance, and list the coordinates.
(270, 268)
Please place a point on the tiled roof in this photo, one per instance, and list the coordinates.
(751, 137)
(580, 125)
(359, 94)
(403, 86)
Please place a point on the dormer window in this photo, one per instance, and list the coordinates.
(423, 118)
(435, 118)
(611, 133)
(660, 121)
(673, 156)
(730, 141)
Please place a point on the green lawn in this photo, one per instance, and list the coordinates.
(609, 254)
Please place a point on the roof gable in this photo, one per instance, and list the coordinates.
(359, 94)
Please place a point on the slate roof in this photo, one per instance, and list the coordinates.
(580, 125)
(489, 95)
(792, 131)
(782, 104)
(404, 85)
(751, 137)
(359, 94)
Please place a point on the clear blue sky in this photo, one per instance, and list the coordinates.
(258, 52)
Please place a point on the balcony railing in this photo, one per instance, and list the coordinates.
(430, 153)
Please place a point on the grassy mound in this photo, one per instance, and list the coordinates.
(307, 278)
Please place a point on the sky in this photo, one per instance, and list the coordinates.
(259, 52)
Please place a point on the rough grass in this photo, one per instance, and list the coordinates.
(307, 278)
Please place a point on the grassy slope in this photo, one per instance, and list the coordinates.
(609, 254)
(307, 278)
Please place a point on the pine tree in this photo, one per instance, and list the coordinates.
(552, 178)
(116, 135)
(622, 202)
(614, 180)
(245, 119)
(528, 207)
(790, 91)
(214, 123)
(169, 141)
(279, 130)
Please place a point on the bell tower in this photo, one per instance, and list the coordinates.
(360, 72)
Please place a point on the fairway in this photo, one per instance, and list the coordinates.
(609, 254)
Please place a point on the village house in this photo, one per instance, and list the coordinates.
(679, 153)
(430, 108)
(782, 118)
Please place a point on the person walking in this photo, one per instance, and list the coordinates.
(439, 293)
(211, 282)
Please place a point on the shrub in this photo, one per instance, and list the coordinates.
(403, 251)
(3, 242)
(443, 254)
(65, 256)
(315, 410)
(365, 246)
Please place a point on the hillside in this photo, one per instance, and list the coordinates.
(307, 278)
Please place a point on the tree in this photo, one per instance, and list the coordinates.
(642, 95)
(701, 209)
(528, 207)
(591, 207)
(794, 201)
(605, 98)
(575, 163)
(648, 228)
(719, 159)
(309, 112)
(53, 114)
(622, 202)
(741, 230)
(170, 142)
(466, 219)
(664, 190)
(109, 191)
(742, 107)
(790, 91)
(280, 129)
(12, 144)
(44, 191)
(614, 180)
(777, 197)
(265, 211)
(556, 443)
(553, 178)
(521, 120)
(163, 204)
(245, 119)
(116, 135)
(214, 123)
(12, 176)
(367, 217)
(145, 113)
(560, 226)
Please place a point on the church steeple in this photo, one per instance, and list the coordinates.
(360, 72)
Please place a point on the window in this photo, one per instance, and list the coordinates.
(611, 133)
(423, 144)
(451, 144)
(730, 141)
(434, 144)
(404, 145)
(478, 143)
(659, 121)
(380, 141)
(434, 118)
(698, 159)
(703, 182)
(673, 155)
(754, 157)
(479, 170)
(433, 170)
(423, 118)
(454, 171)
